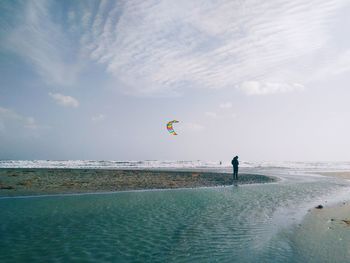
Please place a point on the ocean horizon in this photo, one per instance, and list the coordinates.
(140, 164)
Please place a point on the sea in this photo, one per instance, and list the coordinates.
(245, 223)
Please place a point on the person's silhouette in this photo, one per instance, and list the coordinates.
(235, 164)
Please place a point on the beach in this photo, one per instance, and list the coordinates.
(342, 175)
(14, 182)
(324, 233)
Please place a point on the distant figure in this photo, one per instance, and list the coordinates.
(220, 163)
(235, 164)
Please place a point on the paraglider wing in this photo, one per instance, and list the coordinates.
(170, 128)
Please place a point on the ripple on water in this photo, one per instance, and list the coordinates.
(229, 224)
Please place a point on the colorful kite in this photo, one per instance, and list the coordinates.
(170, 128)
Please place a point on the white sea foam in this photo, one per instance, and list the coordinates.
(109, 164)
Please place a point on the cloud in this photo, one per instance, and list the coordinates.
(99, 117)
(188, 127)
(8, 115)
(261, 88)
(222, 115)
(226, 105)
(65, 101)
(211, 114)
(43, 43)
(194, 127)
(338, 63)
(163, 47)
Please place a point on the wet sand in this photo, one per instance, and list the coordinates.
(16, 182)
(326, 232)
(343, 175)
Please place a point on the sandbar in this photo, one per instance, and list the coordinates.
(18, 181)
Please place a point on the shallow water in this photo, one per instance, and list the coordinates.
(252, 223)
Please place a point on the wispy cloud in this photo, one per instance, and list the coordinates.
(221, 115)
(64, 100)
(338, 63)
(163, 47)
(98, 118)
(261, 88)
(189, 127)
(211, 114)
(157, 46)
(226, 105)
(8, 115)
(44, 43)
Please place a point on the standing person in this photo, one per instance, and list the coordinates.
(235, 164)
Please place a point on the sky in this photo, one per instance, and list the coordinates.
(265, 80)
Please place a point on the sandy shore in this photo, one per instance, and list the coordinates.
(343, 175)
(14, 182)
(326, 232)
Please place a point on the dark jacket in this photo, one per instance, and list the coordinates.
(235, 163)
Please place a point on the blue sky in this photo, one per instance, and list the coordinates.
(267, 80)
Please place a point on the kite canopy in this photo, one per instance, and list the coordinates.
(170, 128)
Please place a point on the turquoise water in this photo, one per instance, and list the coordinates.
(225, 224)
